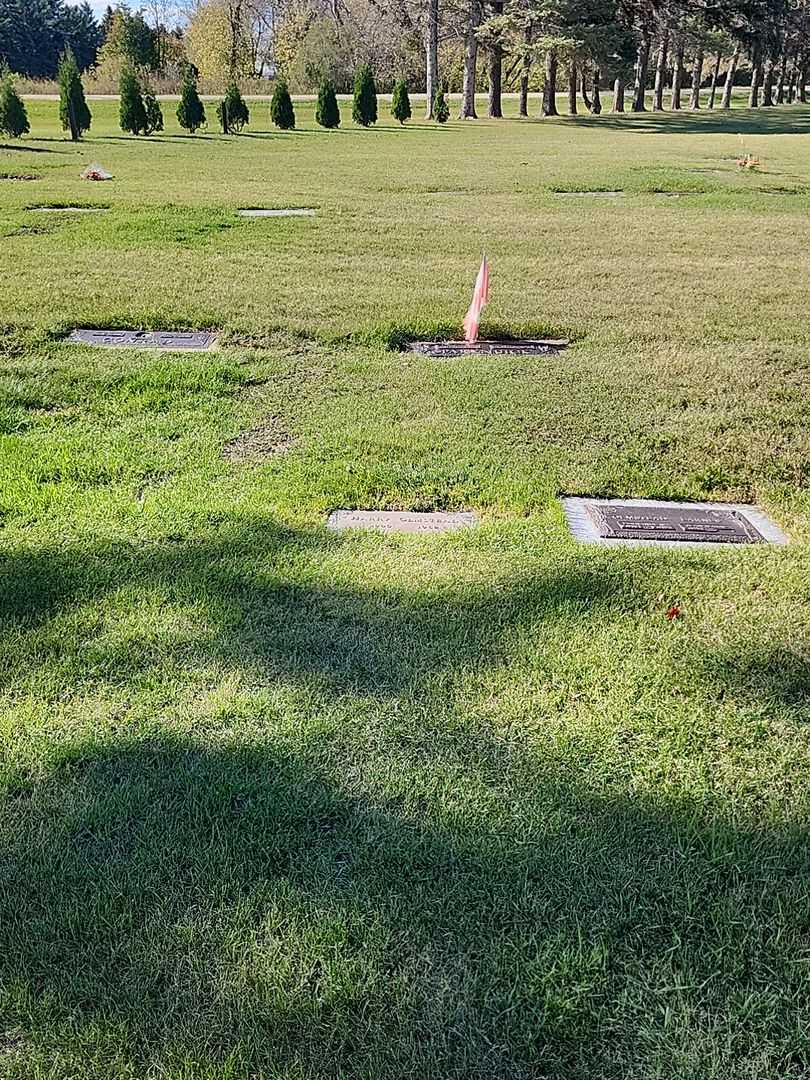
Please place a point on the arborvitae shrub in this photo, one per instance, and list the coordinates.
(233, 112)
(281, 107)
(400, 102)
(327, 113)
(441, 110)
(73, 112)
(132, 112)
(364, 107)
(13, 117)
(190, 111)
(154, 114)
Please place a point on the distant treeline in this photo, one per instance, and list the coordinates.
(649, 55)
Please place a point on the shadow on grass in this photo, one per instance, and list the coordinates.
(180, 909)
(380, 641)
(775, 121)
(262, 906)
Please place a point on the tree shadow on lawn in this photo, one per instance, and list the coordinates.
(168, 903)
(738, 121)
(163, 903)
(380, 640)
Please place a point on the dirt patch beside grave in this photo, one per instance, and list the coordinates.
(260, 443)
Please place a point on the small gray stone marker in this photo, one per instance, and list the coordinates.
(292, 211)
(651, 522)
(167, 340)
(401, 521)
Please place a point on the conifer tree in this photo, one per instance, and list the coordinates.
(233, 112)
(190, 111)
(400, 102)
(132, 112)
(364, 107)
(441, 111)
(73, 112)
(13, 117)
(281, 107)
(327, 113)
(154, 113)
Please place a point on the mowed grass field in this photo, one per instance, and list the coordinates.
(277, 802)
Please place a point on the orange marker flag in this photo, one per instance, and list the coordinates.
(480, 296)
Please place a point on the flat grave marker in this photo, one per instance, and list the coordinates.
(518, 347)
(291, 211)
(68, 209)
(650, 522)
(589, 194)
(165, 340)
(401, 521)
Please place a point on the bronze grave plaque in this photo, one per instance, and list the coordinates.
(685, 524)
(517, 347)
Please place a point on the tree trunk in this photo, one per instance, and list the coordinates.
(661, 71)
(618, 96)
(572, 88)
(756, 79)
(597, 100)
(470, 61)
(715, 77)
(642, 63)
(803, 83)
(431, 56)
(550, 84)
(677, 78)
(496, 69)
(523, 97)
(75, 134)
(783, 71)
(729, 83)
(697, 79)
(790, 89)
(523, 102)
(584, 88)
(767, 83)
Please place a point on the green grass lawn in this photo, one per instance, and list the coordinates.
(282, 803)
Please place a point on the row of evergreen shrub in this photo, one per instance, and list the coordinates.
(140, 112)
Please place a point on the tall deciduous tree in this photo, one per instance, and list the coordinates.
(470, 61)
(431, 56)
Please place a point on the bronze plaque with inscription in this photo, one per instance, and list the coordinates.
(686, 524)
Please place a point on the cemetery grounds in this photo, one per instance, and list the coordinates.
(282, 802)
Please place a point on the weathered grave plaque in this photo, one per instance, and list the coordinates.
(168, 340)
(617, 522)
(292, 211)
(525, 347)
(589, 194)
(648, 521)
(69, 209)
(401, 521)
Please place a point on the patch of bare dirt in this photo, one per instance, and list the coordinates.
(259, 444)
